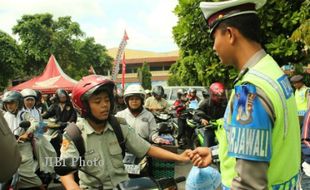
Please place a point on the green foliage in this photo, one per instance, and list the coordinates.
(42, 36)
(280, 18)
(145, 76)
(198, 64)
(11, 59)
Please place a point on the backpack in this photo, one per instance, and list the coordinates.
(74, 134)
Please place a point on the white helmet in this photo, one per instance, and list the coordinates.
(134, 89)
(27, 92)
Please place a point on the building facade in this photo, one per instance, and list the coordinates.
(159, 64)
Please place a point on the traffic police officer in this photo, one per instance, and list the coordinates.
(302, 96)
(260, 139)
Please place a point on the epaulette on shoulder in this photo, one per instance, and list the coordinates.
(121, 120)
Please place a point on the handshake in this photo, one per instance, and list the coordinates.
(200, 157)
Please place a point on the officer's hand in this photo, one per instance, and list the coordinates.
(201, 157)
(204, 122)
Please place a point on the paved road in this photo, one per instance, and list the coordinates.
(182, 169)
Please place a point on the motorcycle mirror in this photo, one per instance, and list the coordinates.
(25, 125)
(66, 166)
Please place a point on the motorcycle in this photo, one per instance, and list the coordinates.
(143, 183)
(136, 167)
(166, 127)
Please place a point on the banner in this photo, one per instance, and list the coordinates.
(123, 71)
(118, 59)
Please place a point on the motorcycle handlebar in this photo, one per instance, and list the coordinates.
(180, 179)
(170, 182)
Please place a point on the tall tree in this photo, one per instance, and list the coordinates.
(145, 76)
(42, 36)
(198, 64)
(11, 59)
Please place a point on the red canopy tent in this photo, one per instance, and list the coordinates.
(50, 80)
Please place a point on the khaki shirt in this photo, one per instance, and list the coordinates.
(152, 103)
(103, 155)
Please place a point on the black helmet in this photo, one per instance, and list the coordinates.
(13, 96)
(39, 95)
(158, 91)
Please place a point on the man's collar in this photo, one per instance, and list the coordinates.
(250, 63)
(89, 130)
(254, 59)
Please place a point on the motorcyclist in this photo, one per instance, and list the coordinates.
(138, 117)
(41, 107)
(179, 106)
(14, 115)
(94, 98)
(213, 105)
(63, 112)
(192, 95)
(157, 103)
(211, 108)
(62, 109)
(119, 101)
(30, 98)
(42, 146)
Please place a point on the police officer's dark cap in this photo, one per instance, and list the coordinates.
(297, 78)
(215, 12)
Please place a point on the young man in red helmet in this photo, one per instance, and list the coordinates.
(93, 98)
(213, 107)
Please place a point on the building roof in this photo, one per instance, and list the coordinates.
(140, 54)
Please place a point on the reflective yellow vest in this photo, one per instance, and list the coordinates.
(285, 140)
(301, 100)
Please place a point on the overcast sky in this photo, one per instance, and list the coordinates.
(148, 22)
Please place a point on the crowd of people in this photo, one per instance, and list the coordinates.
(265, 124)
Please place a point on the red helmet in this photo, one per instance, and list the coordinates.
(86, 87)
(217, 88)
